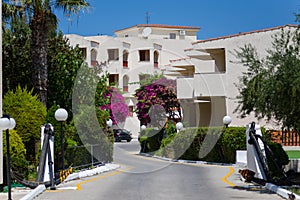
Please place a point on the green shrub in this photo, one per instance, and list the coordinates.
(170, 133)
(187, 144)
(29, 114)
(150, 140)
(17, 153)
(92, 132)
(233, 139)
(281, 158)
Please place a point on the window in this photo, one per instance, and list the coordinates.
(94, 44)
(156, 56)
(114, 80)
(93, 57)
(113, 54)
(83, 51)
(125, 58)
(172, 35)
(125, 83)
(130, 111)
(144, 55)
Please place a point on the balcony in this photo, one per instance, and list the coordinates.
(209, 85)
(201, 85)
(215, 58)
(192, 53)
(182, 62)
(185, 88)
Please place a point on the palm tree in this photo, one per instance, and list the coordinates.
(43, 22)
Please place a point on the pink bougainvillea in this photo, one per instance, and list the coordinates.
(116, 106)
(161, 92)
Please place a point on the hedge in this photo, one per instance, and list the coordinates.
(150, 140)
(208, 144)
(213, 144)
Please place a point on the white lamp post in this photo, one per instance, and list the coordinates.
(179, 126)
(109, 123)
(61, 115)
(143, 127)
(7, 123)
(12, 123)
(226, 120)
(4, 123)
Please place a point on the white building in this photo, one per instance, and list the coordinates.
(134, 52)
(206, 76)
(207, 82)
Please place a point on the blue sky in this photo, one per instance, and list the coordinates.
(214, 17)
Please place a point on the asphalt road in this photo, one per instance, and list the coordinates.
(145, 178)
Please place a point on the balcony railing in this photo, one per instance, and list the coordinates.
(94, 63)
(125, 64)
(125, 88)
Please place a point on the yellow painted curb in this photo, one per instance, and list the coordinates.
(101, 177)
(224, 179)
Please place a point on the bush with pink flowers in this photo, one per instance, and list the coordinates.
(116, 106)
(155, 96)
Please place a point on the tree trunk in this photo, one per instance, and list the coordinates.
(39, 37)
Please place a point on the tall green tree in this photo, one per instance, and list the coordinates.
(43, 22)
(16, 57)
(271, 85)
(63, 64)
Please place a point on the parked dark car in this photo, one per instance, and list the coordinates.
(122, 134)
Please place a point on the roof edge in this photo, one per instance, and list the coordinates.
(160, 26)
(246, 33)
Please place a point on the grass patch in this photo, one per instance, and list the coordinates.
(294, 190)
(293, 154)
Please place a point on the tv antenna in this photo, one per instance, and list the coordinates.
(69, 21)
(147, 17)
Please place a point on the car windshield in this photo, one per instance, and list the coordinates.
(121, 131)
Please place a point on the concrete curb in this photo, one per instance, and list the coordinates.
(34, 193)
(104, 168)
(92, 172)
(282, 192)
(186, 161)
(98, 170)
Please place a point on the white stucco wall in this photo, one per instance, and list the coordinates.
(212, 80)
(262, 41)
(168, 49)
